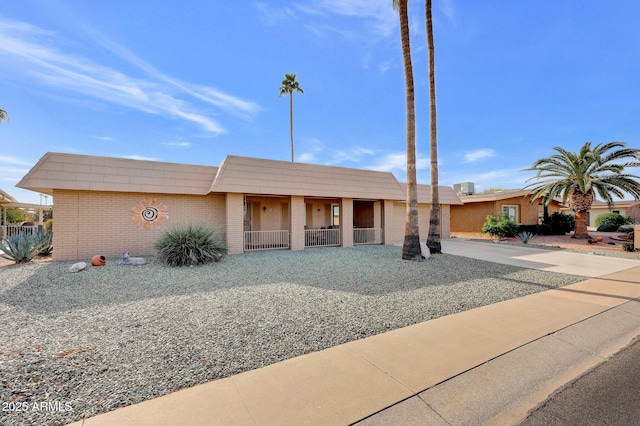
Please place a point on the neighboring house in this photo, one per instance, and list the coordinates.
(111, 205)
(623, 207)
(516, 203)
(7, 202)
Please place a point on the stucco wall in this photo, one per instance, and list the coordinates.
(92, 222)
(471, 216)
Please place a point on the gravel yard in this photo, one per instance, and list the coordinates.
(110, 336)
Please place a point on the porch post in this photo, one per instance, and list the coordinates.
(298, 216)
(346, 222)
(387, 223)
(235, 223)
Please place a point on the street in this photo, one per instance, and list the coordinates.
(609, 394)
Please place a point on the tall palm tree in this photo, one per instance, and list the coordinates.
(3, 115)
(578, 177)
(411, 246)
(433, 240)
(289, 85)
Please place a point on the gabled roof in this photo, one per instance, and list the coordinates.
(90, 173)
(446, 195)
(259, 176)
(236, 174)
(499, 195)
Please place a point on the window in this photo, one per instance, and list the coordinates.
(335, 214)
(511, 212)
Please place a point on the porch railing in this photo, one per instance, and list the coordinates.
(266, 240)
(321, 237)
(11, 230)
(367, 236)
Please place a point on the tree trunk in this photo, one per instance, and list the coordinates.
(580, 203)
(291, 121)
(411, 247)
(580, 231)
(433, 241)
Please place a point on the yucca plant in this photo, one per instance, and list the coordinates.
(190, 245)
(20, 248)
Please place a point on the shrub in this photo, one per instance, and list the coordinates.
(190, 245)
(626, 228)
(610, 219)
(628, 246)
(20, 248)
(607, 227)
(500, 226)
(560, 223)
(545, 229)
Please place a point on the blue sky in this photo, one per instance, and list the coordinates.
(193, 81)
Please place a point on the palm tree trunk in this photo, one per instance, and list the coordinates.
(580, 203)
(291, 121)
(581, 231)
(433, 240)
(411, 246)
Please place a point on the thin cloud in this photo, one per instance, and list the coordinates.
(318, 153)
(398, 162)
(14, 160)
(28, 49)
(477, 155)
(376, 15)
(448, 9)
(179, 144)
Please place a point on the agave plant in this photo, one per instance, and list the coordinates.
(525, 236)
(44, 240)
(20, 248)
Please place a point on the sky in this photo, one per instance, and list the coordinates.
(193, 81)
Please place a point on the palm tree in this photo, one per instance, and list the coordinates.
(289, 85)
(433, 240)
(3, 115)
(411, 246)
(579, 177)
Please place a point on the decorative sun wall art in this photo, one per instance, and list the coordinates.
(149, 214)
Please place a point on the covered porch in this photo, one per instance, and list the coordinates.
(281, 222)
(28, 228)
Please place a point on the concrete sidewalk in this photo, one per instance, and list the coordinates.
(486, 365)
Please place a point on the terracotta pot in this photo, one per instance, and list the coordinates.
(98, 260)
(599, 239)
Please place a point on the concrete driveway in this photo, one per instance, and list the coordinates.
(588, 265)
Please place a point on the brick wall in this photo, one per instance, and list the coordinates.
(298, 218)
(235, 222)
(93, 222)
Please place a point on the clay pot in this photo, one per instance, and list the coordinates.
(599, 239)
(98, 260)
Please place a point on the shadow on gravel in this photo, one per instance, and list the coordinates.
(365, 270)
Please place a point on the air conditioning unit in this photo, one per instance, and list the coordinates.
(464, 188)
